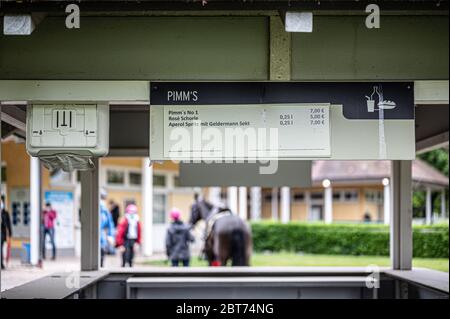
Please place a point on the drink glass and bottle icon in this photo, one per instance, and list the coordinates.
(382, 103)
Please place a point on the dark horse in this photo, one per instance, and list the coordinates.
(227, 235)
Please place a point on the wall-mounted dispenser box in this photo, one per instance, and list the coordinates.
(67, 129)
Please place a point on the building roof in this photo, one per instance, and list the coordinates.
(352, 171)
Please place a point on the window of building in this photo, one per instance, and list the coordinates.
(350, 195)
(268, 197)
(374, 196)
(159, 208)
(135, 178)
(176, 181)
(122, 177)
(115, 177)
(159, 180)
(299, 197)
(317, 195)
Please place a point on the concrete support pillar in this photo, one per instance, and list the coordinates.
(147, 206)
(243, 202)
(214, 195)
(35, 210)
(428, 207)
(255, 208)
(387, 201)
(90, 216)
(232, 199)
(328, 202)
(401, 215)
(275, 203)
(443, 204)
(285, 205)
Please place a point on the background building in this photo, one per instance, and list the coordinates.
(342, 191)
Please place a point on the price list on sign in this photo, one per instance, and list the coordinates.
(302, 130)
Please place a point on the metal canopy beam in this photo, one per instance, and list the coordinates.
(137, 92)
(130, 99)
(431, 92)
(119, 91)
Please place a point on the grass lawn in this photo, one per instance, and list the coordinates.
(292, 259)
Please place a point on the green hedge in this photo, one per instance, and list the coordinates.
(345, 239)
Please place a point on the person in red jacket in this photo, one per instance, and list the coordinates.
(49, 216)
(129, 234)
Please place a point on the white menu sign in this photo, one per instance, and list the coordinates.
(246, 131)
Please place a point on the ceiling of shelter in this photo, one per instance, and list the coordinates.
(122, 5)
(431, 120)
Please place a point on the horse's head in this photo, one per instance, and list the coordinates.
(195, 214)
(200, 210)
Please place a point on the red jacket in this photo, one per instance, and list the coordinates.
(122, 232)
(49, 218)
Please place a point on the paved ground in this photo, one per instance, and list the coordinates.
(17, 274)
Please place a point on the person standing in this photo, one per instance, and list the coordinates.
(107, 228)
(178, 239)
(115, 212)
(49, 216)
(6, 232)
(129, 234)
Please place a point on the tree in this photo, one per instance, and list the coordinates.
(438, 159)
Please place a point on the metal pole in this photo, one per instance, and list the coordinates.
(90, 227)
(243, 202)
(255, 208)
(428, 207)
(308, 205)
(387, 202)
(285, 205)
(147, 205)
(214, 196)
(35, 210)
(328, 199)
(232, 199)
(275, 203)
(401, 215)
